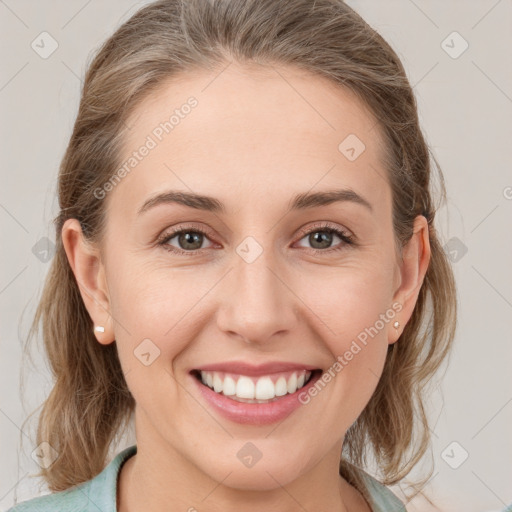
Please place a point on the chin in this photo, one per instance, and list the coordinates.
(264, 475)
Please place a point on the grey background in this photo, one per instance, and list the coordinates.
(465, 107)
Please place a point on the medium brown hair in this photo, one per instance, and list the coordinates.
(90, 401)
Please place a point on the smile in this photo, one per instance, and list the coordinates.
(248, 389)
(235, 396)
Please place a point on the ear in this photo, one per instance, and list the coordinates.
(89, 272)
(412, 269)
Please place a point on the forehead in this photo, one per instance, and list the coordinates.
(253, 132)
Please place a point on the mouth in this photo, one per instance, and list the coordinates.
(256, 389)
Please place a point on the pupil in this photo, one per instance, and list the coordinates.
(323, 236)
(194, 239)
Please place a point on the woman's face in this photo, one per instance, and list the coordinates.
(256, 277)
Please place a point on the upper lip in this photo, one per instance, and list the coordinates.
(244, 368)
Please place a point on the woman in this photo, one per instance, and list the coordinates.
(246, 261)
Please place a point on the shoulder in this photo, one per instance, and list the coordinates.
(71, 500)
(381, 498)
(99, 493)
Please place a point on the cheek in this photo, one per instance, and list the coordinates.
(357, 320)
(349, 299)
(162, 306)
(352, 310)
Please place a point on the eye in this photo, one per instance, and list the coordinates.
(188, 239)
(321, 237)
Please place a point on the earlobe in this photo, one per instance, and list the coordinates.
(413, 267)
(89, 272)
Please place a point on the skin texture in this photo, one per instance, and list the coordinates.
(252, 142)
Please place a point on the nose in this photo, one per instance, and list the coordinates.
(258, 304)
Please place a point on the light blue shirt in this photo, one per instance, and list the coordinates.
(99, 494)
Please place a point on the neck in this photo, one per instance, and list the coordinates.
(169, 483)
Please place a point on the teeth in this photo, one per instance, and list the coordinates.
(253, 388)
(229, 386)
(265, 389)
(281, 387)
(244, 388)
(292, 383)
(217, 383)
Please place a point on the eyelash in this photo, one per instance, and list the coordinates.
(325, 227)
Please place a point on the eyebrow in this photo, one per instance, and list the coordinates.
(298, 202)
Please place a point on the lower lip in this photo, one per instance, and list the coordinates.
(254, 414)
